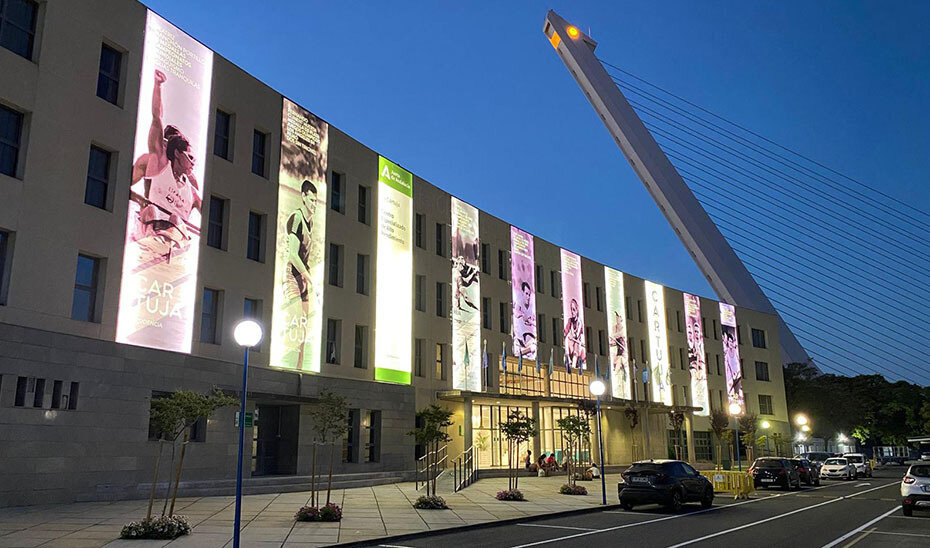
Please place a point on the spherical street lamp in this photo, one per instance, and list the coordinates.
(597, 388)
(805, 428)
(800, 419)
(765, 426)
(736, 409)
(247, 333)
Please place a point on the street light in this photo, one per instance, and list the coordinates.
(247, 333)
(805, 428)
(735, 411)
(800, 419)
(598, 388)
(765, 426)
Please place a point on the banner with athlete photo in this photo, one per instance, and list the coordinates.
(572, 311)
(523, 289)
(394, 286)
(297, 315)
(697, 362)
(660, 369)
(731, 361)
(466, 298)
(159, 276)
(620, 375)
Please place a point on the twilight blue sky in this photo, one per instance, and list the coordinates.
(471, 96)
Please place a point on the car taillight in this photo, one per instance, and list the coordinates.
(908, 479)
(802, 469)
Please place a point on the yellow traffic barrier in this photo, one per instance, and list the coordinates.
(731, 481)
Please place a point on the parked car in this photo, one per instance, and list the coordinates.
(861, 462)
(817, 457)
(838, 468)
(808, 471)
(667, 482)
(915, 488)
(925, 455)
(772, 471)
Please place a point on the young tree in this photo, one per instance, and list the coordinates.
(720, 424)
(575, 429)
(748, 426)
(632, 415)
(330, 423)
(777, 441)
(677, 420)
(435, 420)
(518, 428)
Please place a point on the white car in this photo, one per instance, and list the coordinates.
(838, 468)
(861, 462)
(915, 488)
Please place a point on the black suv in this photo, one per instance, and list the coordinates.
(771, 471)
(668, 482)
(809, 472)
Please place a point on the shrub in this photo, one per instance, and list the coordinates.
(510, 494)
(567, 489)
(430, 502)
(159, 527)
(307, 513)
(331, 512)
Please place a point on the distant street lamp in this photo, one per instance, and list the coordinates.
(800, 419)
(805, 428)
(598, 388)
(248, 333)
(735, 411)
(765, 426)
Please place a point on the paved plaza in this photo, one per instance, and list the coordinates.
(268, 520)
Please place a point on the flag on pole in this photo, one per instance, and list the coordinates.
(568, 364)
(504, 357)
(597, 371)
(466, 361)
(551, 362)
(520, 362)
(484, 358)
(538, 364)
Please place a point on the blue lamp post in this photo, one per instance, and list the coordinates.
(736, 410)
(598, 388)
(248, 333)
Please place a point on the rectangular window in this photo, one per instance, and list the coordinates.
(441, 299)
(371, 434)
(703, 448)
(255, 245)
(418, 230)
(541, 322)
(420, 293)
(217, 222)
(639, 310)
(556, 333)
(335, 265)
(714, 327)
(629, 309)
(361, 274)
(486, 313)
(717, 360)
(505, 317)
(539, 279)
(259, 147)
(6, 260)
(361, 347)
(418, 346)
(337, 192)
(642, 349)
(601, 342)
(554, 283)
(222, 134)
(22, 384)
(765, 405)
(363, 199)
(739, 334)
(84, 304)
(11, 132)
(38, 399)
(758, 338)
(585, 287)
(598, 297)
(503, 264)
(56, 395)
(704, 326)
(678, 319)
(252, 309)
(440, 361)
(333, 338)
(98, 178)
(350, 448)
(209, 316)
(18, 26)
(440, 240)
(108, 77)
(762, 371)
(486, 258)
(681, 359)
(632, 346)
(73, 396)
(587, 338)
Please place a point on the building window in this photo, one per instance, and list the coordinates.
(361, 274)
(22, 386)
(441, 299)
(418, 230)
(259, 153)
(601, 342)
(335, 265)
(252, 309)
(56, 395)
(440, 371)
(6, 254)
(350, 448)
(765, 405)
(505, 317)
(108, 77)
(758, 338)
(717, 360)
(681, 359)
(38, 398)
(18, 26)
(486, 258)
(704, 326)
(714, 327)
(762, 371)
(598, 298)
(333, 337)
(539, 279)
(556, 332)
(440, 240)
(419, 293)
(632, 348)
(587, 338)
(98, 178)
(541, 322)
(222, 134)
(209, 316)
(486, 313)
(554, 283)
(73, 396)
(678, 319)
(639, 310)
(503, 262)
(361, 347)
(363, 199)
(337, 192)
(585, 286)
(371, 435)
(11, 130)
(703, 448)
(254, 248)
(217, 222)
(84, 304)
(418, 345)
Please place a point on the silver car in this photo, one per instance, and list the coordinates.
(838, 468)
(861, 462)
(915, 488)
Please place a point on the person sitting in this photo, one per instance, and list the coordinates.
(593, 470)
(528, 459)
(551, 464)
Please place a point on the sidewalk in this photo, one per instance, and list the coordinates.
(268, 520)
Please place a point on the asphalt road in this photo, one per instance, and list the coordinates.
(866, 512)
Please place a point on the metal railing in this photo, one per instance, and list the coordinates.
(438, 461)
(730, 481)
(464, 469)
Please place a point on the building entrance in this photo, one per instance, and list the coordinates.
(274, 440)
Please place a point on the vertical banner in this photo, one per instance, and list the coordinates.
(394, 287)
(731, 355)
(660, 374)
(159, 277)
(466, 298)
(572, 312)
(616, 323)
(697, 366)
(297, 316)
(523, 289)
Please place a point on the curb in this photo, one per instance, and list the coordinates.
(474, 526)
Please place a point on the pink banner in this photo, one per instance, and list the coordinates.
(523, 284)
(573, 311)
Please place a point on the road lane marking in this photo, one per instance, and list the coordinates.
(859, 538)
(861, 527)
(902, 534)
(557, 526)
(772, 518)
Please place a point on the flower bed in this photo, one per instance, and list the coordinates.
(510, 494)
(159, 528)
(430, 502)
(567, 489)
(330, 512)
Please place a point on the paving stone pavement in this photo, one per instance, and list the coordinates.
(268, 520)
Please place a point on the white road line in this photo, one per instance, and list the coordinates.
(557, 526)
(393, 546)
(861, 527)
(902, 534)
